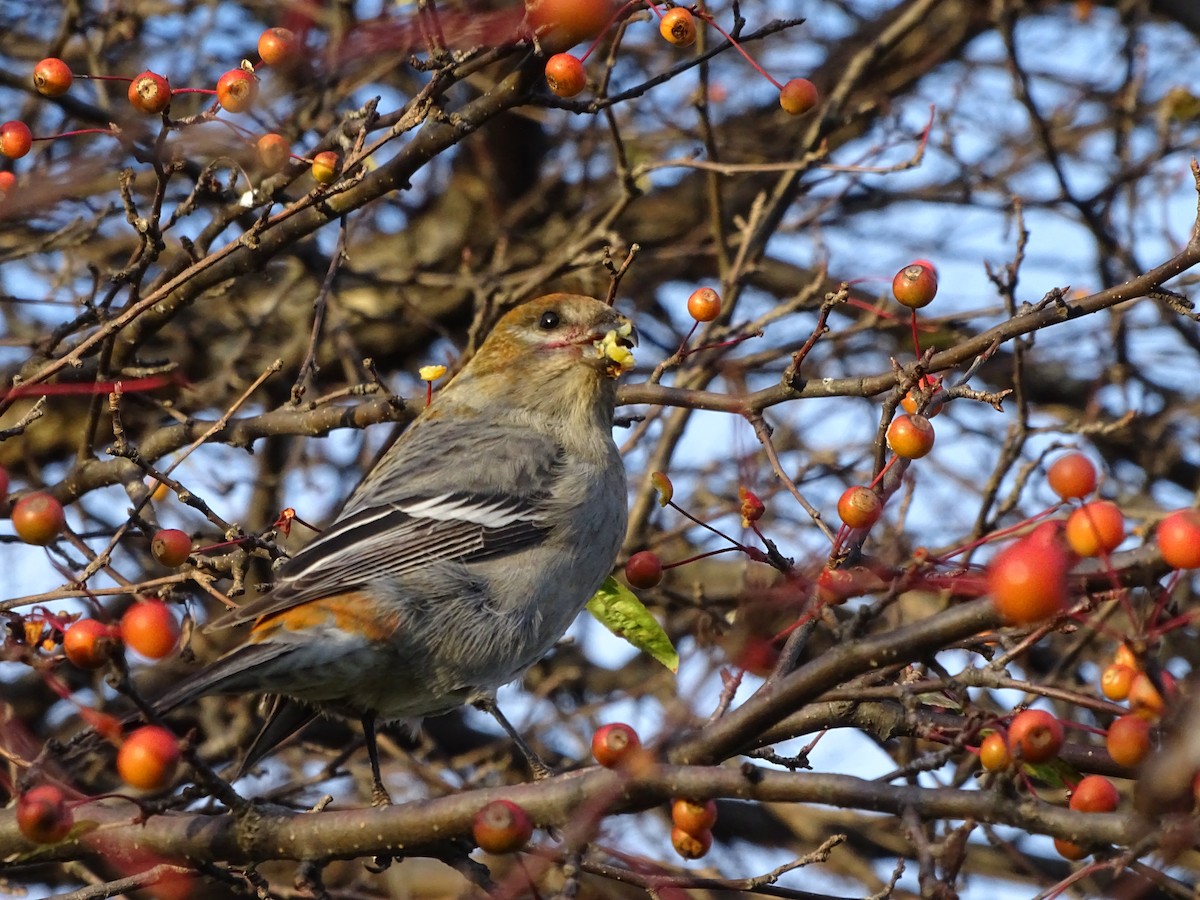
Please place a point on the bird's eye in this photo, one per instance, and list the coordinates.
(548, 321)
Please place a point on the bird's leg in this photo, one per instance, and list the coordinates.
(536, 764)
(379, 794)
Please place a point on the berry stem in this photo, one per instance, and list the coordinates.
(738, 47)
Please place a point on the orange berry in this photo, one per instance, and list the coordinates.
(1096, 528)
(15, 139)
(1035, 736)
(150, 93)
(928, 386)
(149, 628)
(1094, 793)
(798, 96)
(171, 547)
(614, 743)
(691, 846)
(38, 518)
(1115, 682)
(1068, 850)
(148, 758)
(993, 752)
(88, 643)
(1128, 740)
(8, 183)
(1178, 539)
(1027, 580)
(915, 286)
(910, 437)
(237, 90)
(1072, 476)
(52, 77)
(565, 75)
(325, 166)
(43, 815)
(1145, 699)
(693, 817)
(559, 24)
(859, 507)
(704, 304)
(502, 827)
(1123, 656)
(278, 46)
(273, 152)
(678, 27)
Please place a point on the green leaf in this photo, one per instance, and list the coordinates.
(620, 611)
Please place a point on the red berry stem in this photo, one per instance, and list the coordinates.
(698, 556)
(916, 338)
(209, 91)
(752, 552)
(67, 134)
(621, 12)
(703, 16)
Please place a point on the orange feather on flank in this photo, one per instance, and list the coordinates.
(351, 613)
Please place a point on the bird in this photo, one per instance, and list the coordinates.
(463, 555)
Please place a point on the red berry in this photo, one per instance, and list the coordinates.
(52, 77)
(4, 471)
(993, 752)
(910, 436)
(171, 546)
(704, 304)
(1115, 681)
(8, 183)
(237, 90)
(149, 628)
(691, 846)
(1027, 580)
(88, 643)
(1035, 736)
(325, 167)
(860, 507)
(915, 286)
(1178, 539)
(693, 817)
(1095, 528)
(565, 75)
(15, 139)
(502, 827)
(798, 96)
(278, 46)
(273, 152)
(559, 24)
(148, 758)
(1094, 793)
(1128, 740)
(678, 27)
(612, 744)
(644, 569)
(1072, 476)
(38, 518)
(43, 815)
(150, 93)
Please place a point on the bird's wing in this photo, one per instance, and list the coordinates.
(398, 538)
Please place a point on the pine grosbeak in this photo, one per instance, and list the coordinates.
(466, 552)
